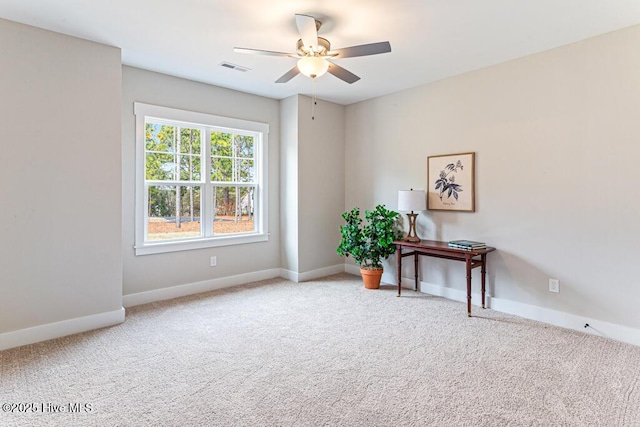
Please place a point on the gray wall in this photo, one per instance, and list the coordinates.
(153, 272)
(289, 183)
(60, 180)
(312, 183)
(320, 182)
(556, 137)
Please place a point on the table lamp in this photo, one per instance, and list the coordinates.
(412, 200)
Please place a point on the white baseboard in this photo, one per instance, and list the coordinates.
(225, 282)
(540, 314)
(321, 272)
(197, 287)
(352, 269)
(313, 274)
(289, 275)
(60, 329)
(568, 320)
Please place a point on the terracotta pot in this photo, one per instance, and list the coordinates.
(371, 278)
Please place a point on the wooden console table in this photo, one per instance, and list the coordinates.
(432, 248)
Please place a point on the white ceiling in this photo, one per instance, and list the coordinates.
(430, 39)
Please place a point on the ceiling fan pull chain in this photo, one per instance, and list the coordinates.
(314, 99)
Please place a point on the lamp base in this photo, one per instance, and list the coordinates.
(411, 235)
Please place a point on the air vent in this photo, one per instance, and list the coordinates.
(234, 67)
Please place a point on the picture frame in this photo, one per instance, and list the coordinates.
(451, 182)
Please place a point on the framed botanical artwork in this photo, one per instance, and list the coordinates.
(451, 182)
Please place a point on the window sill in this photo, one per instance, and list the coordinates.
(187, 245)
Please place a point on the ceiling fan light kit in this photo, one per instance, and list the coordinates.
(313, 53)
(313, 66)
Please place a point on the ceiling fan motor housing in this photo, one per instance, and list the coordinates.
(323, 48)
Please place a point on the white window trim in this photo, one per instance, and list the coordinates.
(143, 111)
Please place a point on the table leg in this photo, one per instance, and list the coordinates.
(415, 270)
(483, 259)
(399, 262)
(468, 262)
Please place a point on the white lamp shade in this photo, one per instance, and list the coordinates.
(412, 200)
(313, 66)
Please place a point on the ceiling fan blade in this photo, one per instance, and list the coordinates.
(342, 73)
(262, 52)
(289, 75)
(362, 50)
(308, 31)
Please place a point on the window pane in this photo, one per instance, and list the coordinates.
(160, 166)
(233, 210)
(244, 146)
(160, 138)
(221, 144)
(245, 170)
(151, 137)
(196, 143)
(190, 141)
(247, 201)
(221, 169)
(165, 220)
(189, 168)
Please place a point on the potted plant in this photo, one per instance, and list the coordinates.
(371, 243)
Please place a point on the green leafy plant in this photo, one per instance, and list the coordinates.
(370, 243)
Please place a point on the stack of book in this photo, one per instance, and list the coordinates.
(468, 245)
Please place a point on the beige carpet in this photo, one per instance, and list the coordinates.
(319, 353)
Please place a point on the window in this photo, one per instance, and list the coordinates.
(200, 180)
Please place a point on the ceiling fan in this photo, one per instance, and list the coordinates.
(314, 52)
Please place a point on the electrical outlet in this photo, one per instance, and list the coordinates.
(554, 285)
(213, 261)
